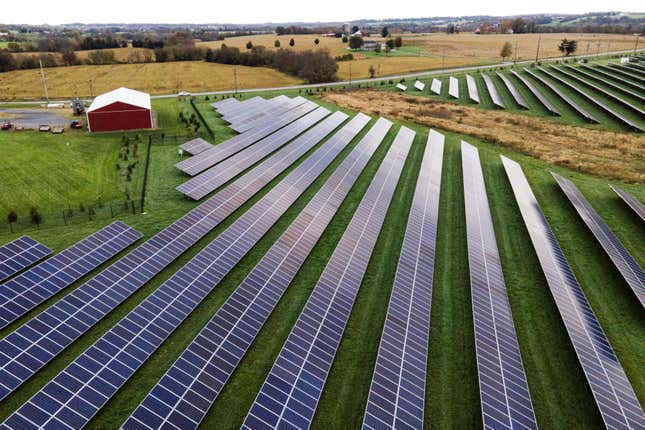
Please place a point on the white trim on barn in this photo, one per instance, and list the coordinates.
(123, 95)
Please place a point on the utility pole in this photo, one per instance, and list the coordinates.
(598, 48)
(350, 74)
(516, 56)
(537, 54)
(43, 79)
(636, 44)
(443, 58)
(587, 54)
(235, 78)
(91, 89)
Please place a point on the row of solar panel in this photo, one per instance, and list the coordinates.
(577, 74)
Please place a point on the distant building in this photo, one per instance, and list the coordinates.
(120, 109)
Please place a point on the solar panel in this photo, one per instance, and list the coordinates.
(213, 178)
(224, 102)
(20, 253)
(575, 106)
(274, 107)
(494, 95)
(418, 85)
(605, 93)
(233, 110)
(622, 259)
(627, 73)
(514, 92)
(607, 72)
(634, 67)
(631, 201)
(290, 393)
(453, 87)
(268, 117)
(195, 146)
(473, 94)
(435, 87)
(248, 111)
(401, 87)
(397, 392)
(26, 291)
(35, 343)
(225, 339)
(206, 159)
(606, 82)
(503, 389)
(612, 391)
(595, 101)
(92, 378)
(545, 102)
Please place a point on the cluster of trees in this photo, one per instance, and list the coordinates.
(147, 42)
(567, 46)
(311, 66)
(293, 29)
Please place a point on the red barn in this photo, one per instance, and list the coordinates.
(120, 109)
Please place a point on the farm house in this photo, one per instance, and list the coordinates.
(120, 109)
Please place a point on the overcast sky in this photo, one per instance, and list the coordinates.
(261, 11)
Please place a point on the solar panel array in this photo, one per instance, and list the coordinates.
(435, 87)
(494, 95)
(208, 158)
(19, 254)
(213, 178)
(514, 92)
(600, 69)
(604, 92)
(575, 106)
(606, 82)
(627, 72)
(612, 391)
(29, 289)
(230, 112)
(224, 103)
(473, 94)
(453, 87)
(289, 395)
(195, 146)
(636, 67)
(631, 201)
(397, 393)
(503, 389)
(622, 259)
(79, 391)
(213, 356)
(613, 113)
(46, 335)
(545, 102)
(276, 107)
(419, 85)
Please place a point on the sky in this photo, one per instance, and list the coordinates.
(262, 11)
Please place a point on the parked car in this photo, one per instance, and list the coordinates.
(6, 125)
(44, 127)
(76, 124)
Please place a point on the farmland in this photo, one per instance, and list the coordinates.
(155, 78)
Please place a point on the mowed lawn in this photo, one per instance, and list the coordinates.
(558, 387)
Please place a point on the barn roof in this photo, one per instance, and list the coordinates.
(123, 95)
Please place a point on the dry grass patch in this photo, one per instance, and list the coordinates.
(154, 78)
(610, 154)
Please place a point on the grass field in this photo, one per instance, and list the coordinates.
(558, 388)
(154, 78)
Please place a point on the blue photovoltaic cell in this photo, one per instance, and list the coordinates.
(217, 153)
(575, 106)
(504, 392)
(32, 345)
(92, 378)
(612, 391)
(625, 263)
(620, 117)
(473, 94)
(20, 253)
(545, 102)
(397, 392)
(631, 201)
(195, 146)
(27, 290)
(513, 90)
(605, 82)
(494, 95)
(289, 395)
(228, 335)
(206, 182)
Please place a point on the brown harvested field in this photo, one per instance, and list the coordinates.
(122, 55)
(335, 45)
(395, 65)
(604, 153)
(155, 78)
